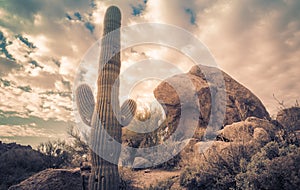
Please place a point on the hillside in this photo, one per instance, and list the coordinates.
(18, 162)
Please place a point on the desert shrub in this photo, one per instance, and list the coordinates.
(126, 176)
(162, 185)
(60, 154)
(273, 167)
(289, 119)
(172, 151)
(216, 169)
(170, 164)
(79, 147)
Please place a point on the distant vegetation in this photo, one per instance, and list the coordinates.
(60, 154)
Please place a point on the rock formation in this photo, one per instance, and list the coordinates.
(241, 103)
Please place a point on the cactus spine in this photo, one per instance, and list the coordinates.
(103, 116)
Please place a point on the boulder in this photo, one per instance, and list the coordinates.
(52, 179)
(261, 135)
(251, 129)
(226, 150)
(140, 162)
(240, 102)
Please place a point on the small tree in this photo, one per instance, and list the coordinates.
(57, 153)
(79, 148)
(61, 154)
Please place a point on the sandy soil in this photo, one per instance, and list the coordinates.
(144, 178)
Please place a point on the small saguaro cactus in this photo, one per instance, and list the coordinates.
(106, 116)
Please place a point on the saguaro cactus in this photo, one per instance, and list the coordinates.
(106, 117)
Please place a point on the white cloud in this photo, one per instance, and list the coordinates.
(249, 39)
(22, 131)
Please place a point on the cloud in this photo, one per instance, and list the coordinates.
(254, 41)
(7, 66)
(25, 88)
(26, 41)
(3, 47)
(138, 9)
(13, 125)
(21, 131)
(89, 26)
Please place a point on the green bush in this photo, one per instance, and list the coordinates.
(216, 169)
(272, 168)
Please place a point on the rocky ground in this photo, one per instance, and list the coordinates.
(52, 179)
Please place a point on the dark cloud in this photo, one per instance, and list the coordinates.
(26, 41)
(35, 64)
(25, 88)
(89, 26)
(5, 83)
(68, 16)
(62, 94)
(67, 84)
(192, 15)
(27, 9)
(138, 9)
(24, 9)
(78, 16)
(56, 62)
(7, 66)
(3, 47)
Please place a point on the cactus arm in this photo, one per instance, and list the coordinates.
(128, 110)
(85, 103)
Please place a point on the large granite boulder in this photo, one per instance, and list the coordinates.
(240, 103)
(253, 133)
(251, 129)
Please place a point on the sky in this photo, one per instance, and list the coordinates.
(42, 44)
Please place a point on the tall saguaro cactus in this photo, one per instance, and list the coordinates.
(105, 117)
